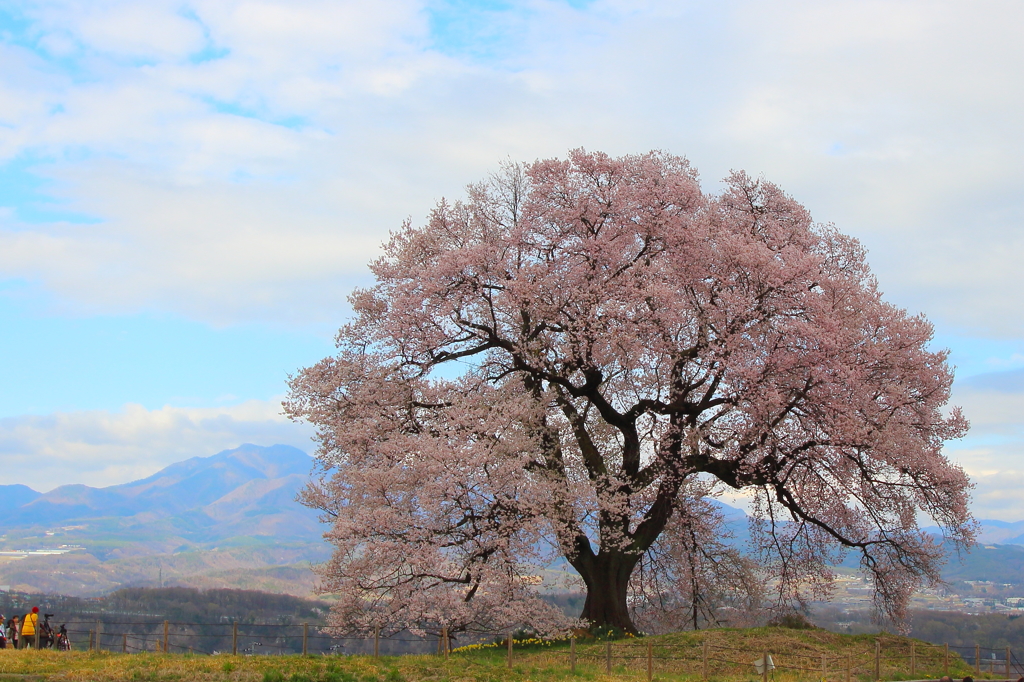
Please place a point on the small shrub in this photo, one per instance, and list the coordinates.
(273, 675)
(792, 621)
(228, 666)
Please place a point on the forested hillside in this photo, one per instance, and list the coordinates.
(959, 630)
(179, 604)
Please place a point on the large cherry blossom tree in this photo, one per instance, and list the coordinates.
(574, 359)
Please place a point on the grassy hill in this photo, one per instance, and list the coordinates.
(798, 655)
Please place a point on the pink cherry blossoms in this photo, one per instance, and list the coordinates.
(573, 360)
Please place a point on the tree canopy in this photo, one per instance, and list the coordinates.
(576, 358)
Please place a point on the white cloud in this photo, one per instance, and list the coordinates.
(217, 251)
(897, 120)
(997, 491)
(101, 448)
(993, 451)
(256, 182)
(322, 124)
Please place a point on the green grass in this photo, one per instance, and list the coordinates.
(676, 657)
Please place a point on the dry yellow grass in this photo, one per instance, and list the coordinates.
(797, 653)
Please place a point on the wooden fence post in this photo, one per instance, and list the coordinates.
(977, 659)
(376, 642)
(167, 648)
(572, 655)
(764, 667)
(305, 639)
(945, 659)
(913, 658)
(608, 657)
(99, 630)
(878, 659)
(704, 662)
(124, 643)
(824, 668)
(510, 649)
(848, 668)
(1007, 662)
(650, 661)
(92, 638)
(234, 638)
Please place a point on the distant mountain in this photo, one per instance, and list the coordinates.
(14, 496)
(737, 524)
(998, 556)
(182, 487)
(217, 516)
(1003, 564)
(1001, 532)
(993, 532)
(232, 520)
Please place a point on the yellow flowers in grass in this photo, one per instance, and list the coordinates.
(524, 642)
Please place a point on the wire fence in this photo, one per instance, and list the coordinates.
(236, 638)
(887, 658)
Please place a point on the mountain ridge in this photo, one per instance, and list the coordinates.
(237, 509)
(233, 519)
(14, 496)
(179, 487)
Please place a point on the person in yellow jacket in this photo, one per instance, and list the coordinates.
(28, 628)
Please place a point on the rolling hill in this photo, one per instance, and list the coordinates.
(227, 520)
(232, 520)
(249, 481)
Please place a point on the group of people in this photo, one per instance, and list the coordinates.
(27, 632)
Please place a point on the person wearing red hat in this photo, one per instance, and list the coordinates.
(28, 629)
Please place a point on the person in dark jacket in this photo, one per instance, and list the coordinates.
(14, 631)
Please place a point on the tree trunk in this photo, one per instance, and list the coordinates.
(607, 579)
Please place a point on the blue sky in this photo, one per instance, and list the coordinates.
(190, 189)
